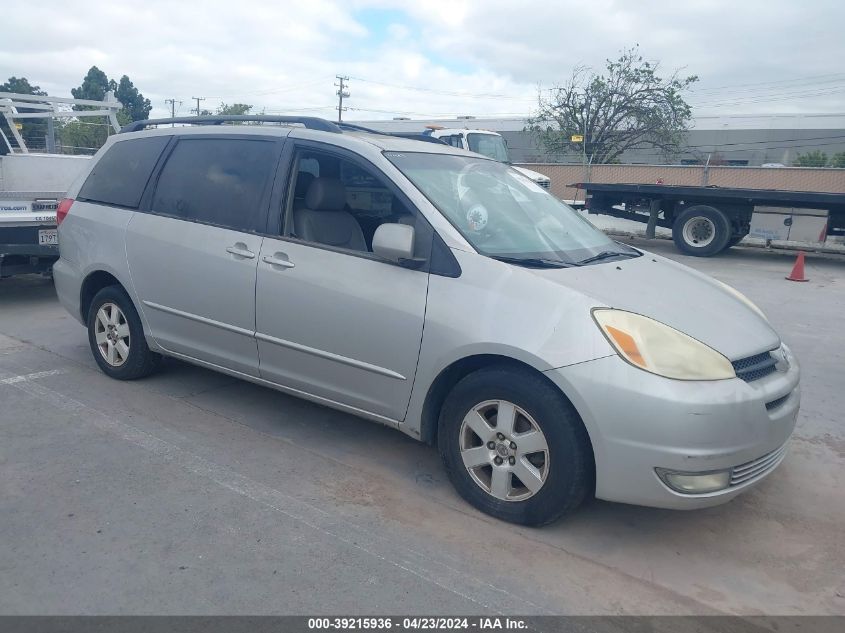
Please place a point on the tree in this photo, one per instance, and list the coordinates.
(135, 105)
(235, 108)
(86, 135)
(629, 106)
(33, 130)
(94, 86)
(838, 160)
(815, 158)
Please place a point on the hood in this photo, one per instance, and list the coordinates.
(536, 176)
(674, 294)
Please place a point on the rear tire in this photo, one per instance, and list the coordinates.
(117, 338)
(543, 441)
(701, 231)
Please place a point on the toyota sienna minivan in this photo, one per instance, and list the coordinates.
(432, 290)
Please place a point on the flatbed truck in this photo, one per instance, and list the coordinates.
(707, 220)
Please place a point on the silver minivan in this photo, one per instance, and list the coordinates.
(432, 290)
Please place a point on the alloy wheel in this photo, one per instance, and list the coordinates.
(111, 332)
(504, 450)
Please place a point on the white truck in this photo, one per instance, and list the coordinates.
(486, 142)
(32, 184)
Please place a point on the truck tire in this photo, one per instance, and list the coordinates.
(530, 466)
(701, 231)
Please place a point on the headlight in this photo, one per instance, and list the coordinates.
(736, 293)
(660, 349)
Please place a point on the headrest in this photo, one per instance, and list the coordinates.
(303, 181)
(326, 194)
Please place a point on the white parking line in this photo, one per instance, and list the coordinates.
(13, 380)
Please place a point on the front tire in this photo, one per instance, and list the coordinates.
(514, 447)
(117, 338)
(701, 231)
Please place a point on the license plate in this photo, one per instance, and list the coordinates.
(48, 237)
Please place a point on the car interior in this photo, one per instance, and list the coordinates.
(339, 204)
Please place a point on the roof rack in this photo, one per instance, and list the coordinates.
(415, 136)
(354, 127)
(420, 136)
(310, 122)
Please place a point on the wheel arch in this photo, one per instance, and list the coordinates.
(450, 375)
(95, 281)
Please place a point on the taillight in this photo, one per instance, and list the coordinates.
(62, 209)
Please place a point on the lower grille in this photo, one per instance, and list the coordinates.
(545, 184)
(755, 367)
(774, 404)
(757, 467)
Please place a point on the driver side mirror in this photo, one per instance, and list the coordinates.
(394, 242)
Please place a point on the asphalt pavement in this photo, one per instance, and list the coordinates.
(194, 493)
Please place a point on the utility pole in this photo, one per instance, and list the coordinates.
(172, 103)
(341, 93)
(198, 99)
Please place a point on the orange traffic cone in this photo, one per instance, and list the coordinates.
(797, 273)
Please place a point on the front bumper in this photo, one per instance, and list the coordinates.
(639, 422)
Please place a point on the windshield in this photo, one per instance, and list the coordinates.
(489, 145)
(504, 214)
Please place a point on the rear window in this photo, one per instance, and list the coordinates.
(217, 181)
(119, 177)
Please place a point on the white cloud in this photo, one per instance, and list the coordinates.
(489, 55)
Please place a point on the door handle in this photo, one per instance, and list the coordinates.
(240, 250)
(279, 259)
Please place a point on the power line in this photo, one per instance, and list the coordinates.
(198, 99)
(826, 78)
(479, 95)
(818, 92)
(435, 114)
(259, 93)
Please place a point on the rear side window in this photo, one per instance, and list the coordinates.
(216, 181)
(119, 177)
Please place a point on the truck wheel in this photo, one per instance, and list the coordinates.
(514, 447)
(117, 338)
(701, 231)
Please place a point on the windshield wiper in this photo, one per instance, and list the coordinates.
(606, 255)
(533, 262)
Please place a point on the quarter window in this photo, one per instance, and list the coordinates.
(120, 176)
(216, 181)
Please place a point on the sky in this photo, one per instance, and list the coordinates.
(428, 58)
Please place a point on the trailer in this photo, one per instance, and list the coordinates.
(708, 220)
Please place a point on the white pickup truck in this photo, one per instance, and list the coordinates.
(486, 142)
(31, 186)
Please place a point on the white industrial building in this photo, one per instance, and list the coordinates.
(738, 139)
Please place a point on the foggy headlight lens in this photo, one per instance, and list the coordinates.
(695, 483)
(660, 349)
